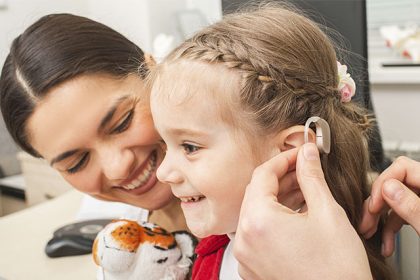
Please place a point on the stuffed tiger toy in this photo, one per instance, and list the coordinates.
(126, 250)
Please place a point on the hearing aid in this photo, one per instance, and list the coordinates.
(322, 131)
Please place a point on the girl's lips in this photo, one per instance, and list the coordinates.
(190, 202)
(194, 198)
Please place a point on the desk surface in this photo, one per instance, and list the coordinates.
(24, 234)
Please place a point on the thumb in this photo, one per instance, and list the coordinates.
(403, 201)
(311, 177)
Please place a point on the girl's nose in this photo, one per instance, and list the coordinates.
(168, 172)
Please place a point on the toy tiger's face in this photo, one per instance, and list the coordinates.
(126, 250)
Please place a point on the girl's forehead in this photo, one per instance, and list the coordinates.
(185, 79)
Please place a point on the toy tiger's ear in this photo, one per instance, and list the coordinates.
(187, 242)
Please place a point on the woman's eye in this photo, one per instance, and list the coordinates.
(122, 126)
(79, 165)
(190, 148)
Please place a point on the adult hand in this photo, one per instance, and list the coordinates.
(397, 187)
(275, 242)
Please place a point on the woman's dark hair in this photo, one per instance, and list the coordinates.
(55, 49)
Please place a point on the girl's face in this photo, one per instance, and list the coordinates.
(97, 131)
(207, 163)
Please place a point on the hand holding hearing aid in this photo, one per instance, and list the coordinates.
(266, 227)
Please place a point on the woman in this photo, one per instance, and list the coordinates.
(73, 93)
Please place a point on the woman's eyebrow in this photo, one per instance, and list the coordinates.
(63, 156)
(108, 116)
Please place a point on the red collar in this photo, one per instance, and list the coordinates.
(209, 257)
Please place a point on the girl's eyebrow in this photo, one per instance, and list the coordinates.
(185, 131)
(108, 116)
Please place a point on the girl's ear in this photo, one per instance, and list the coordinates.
(293, 137)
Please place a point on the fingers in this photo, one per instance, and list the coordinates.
(287, 184)
(403, 201)
(261, 193)
(265, 179)
(392, 226)
(293, 200)
(402, 169)
(311, 177)
(369, 223)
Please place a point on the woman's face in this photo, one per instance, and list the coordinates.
(97, 131)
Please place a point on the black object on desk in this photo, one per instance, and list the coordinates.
(74, 239)
(400, 64)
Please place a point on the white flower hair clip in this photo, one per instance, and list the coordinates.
(346, 85)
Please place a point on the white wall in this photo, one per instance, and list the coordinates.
(129, 17)
(397, 111)
(142, 20)
(19, 14)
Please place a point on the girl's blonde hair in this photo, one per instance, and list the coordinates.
(289, 73)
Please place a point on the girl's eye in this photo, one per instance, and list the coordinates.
(79, 165)
(190, 148)
(122, 126)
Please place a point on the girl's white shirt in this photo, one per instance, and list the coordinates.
(229, 268)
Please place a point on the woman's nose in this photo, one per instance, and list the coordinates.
(168, 172)
(117, 164)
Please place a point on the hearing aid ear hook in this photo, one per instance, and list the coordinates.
(323, 134)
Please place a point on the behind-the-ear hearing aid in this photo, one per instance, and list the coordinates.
(323, 134)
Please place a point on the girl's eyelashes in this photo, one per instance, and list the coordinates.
(125, 123)
(79, 165)
(190, 148)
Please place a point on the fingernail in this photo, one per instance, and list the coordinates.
(393, 190)
(310, 152)
(383, 249)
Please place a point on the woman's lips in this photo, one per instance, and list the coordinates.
(144, 178)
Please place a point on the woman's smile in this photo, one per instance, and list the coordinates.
(144, 178)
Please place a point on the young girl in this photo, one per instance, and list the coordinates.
(234, 95)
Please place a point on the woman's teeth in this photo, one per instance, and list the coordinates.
(144, 176)
(191, 198)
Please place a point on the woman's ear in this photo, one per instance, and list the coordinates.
(293, 137)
